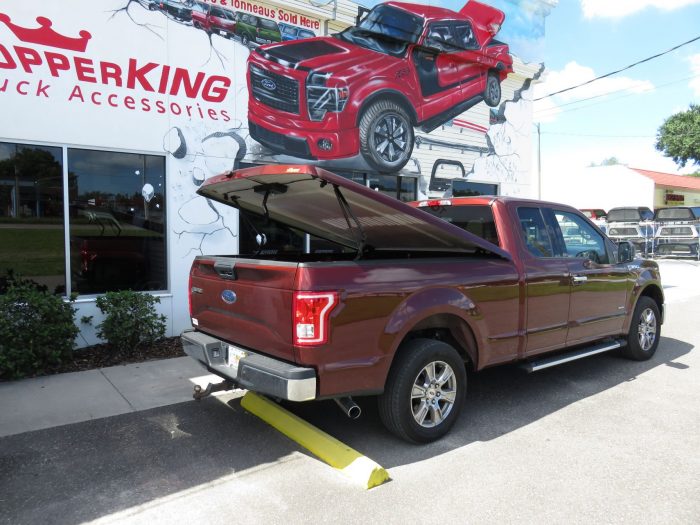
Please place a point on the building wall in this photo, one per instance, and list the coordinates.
(689, 197)
(53, 95)
(599, 187)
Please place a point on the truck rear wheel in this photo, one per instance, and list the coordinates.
(645, 331)
(386, 136)
(424, 392)
(492, 93)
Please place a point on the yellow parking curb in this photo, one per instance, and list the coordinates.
(350, 462)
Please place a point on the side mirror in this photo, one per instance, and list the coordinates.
(625, 252)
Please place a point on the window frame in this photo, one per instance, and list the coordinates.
(64, 147)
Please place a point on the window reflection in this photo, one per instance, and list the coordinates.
(31, 214)
(117, 221)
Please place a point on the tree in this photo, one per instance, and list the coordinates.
(610, 161)
(679, 136)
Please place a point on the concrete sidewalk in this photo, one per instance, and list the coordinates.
(45, 402)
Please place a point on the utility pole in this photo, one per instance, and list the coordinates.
(539, 162)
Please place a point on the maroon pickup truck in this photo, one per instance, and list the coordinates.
(352, 293)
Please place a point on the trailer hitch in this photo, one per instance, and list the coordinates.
(200, 394)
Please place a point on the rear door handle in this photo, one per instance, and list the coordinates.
(579, 279)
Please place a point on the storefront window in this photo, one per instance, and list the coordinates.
(117, 221)
(31, 215)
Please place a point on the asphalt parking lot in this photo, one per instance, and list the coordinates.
(598, 440)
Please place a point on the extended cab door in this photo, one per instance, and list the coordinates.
(547, 283)
(599, 286)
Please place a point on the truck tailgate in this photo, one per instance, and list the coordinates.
(246, 302)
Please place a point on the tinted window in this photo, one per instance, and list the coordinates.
(269, 24)
(464, 36)
(624, 215)
(580, 239)
(202, 8)
(304, 33)
(32, 241)
(535, 233)
(682, 214)
(474, 219)
(393, 22)
(117, 221)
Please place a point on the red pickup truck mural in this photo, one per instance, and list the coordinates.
(365, 89)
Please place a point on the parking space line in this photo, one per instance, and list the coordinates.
(338, 455)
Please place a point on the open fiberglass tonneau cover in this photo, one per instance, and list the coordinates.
(339, 210)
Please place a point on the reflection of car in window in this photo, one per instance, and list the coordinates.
(366, 88)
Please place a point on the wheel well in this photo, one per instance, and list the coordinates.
(394, 96)
(654, 292)
(451, 330)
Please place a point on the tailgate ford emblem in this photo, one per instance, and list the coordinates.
(228, 296)
(268, 84)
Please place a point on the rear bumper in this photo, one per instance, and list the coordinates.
(250, 370)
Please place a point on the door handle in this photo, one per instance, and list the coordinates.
(578, 279)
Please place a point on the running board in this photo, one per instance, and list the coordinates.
(541, 364)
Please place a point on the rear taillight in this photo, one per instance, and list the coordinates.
(189, 294)
(311, 313)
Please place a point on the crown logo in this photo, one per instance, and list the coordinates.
(46, 36)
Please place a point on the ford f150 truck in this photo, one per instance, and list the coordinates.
(353, 293)
(364, 90)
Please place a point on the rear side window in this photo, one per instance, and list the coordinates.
(624, 215)
(268, 24)
(474, 219)
(681, 214)
(534, 232)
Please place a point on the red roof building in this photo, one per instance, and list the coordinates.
(673, 190)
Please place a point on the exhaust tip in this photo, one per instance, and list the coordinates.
(349, 407)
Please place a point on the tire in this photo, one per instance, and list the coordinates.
(386, 136)
(645, 331)
(414, 408)
(492, 93)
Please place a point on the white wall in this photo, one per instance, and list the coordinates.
(598, 187)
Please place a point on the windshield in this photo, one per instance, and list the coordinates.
(386, 29)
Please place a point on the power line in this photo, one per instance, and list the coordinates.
(553, 109)
(620, 70)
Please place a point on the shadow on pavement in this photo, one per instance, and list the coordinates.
(499, 400)
(84, 471)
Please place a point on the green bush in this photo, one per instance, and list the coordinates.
(37, 329)
(130, 320)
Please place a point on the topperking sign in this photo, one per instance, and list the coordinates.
(43, 54)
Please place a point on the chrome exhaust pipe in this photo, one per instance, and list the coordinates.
(348, 406)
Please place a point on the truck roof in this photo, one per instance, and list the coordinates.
(487, 200)
(428, 12)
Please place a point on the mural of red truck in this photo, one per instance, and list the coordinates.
(365, 89)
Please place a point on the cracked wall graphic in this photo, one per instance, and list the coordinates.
(172, 79)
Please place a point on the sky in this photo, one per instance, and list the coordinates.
(587, 38)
